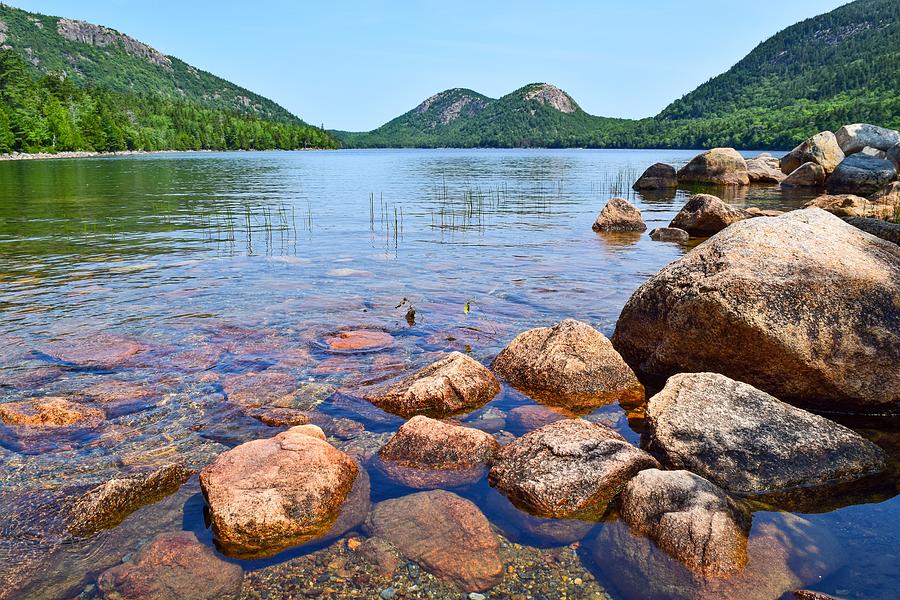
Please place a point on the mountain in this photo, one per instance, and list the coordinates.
(142, 98)
(837, 68)
(538, 114)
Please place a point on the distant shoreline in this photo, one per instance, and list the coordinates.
(92, 154)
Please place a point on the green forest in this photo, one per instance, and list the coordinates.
(51, 114)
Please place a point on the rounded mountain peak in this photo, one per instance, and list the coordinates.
(550, 95)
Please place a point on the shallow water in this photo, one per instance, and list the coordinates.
(223, 264)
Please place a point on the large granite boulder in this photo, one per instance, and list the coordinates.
(108, 504)
(879, 228)
(444, 533)
(749, 442)
(808, 174)
(172, 565)
(270, 494)
(893, 155)
(659, 176)
(861, 174)
(454, 384)
(426, 453)
(821, 149)
(689, 518)
(850, 205)
(765, 168)
(571, 468)
(784, 552)
(570, 364)
(802, 306)
(619, 215)
(705, 214)
(719, 166)
(886, 202)
(853, 138)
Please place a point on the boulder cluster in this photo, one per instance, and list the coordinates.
(855, 171)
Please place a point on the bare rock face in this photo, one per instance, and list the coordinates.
(109, 503)
(690, 519)
(765, 168)
(853, 138)
(720, 166)
(704, 215)
(454, 384)
(669, 234)
(659, 176)
(802, 306)
(808, 174)
(571, 364)
(426, 453)
(861, 174)
(571, 468)
(887, 202)
(172, 565)
(619, 215)
(821, 149)
(97, 35)
(51, 412)
(784, 552)
(444, 533)
(270, 494)
(749, 442)
(551, 96)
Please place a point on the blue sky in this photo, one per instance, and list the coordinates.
(354, 65)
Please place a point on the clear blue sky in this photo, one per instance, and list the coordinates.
(354, 65)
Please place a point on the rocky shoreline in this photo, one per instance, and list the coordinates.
(739, 340)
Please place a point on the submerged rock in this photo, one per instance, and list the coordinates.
(535, 416)
(426, 453)
(749, 442)
(270, 494)
(853, 138)
(533, 530)
(570, 468)
(97, 352)
(619, 215)
(808, 174)
(444, 533)
(50, 413)
(172, 565)
(359, 340)
(720, 166)
(690, 519)
(784, 552)
(822, 149)
(669, 234)
(704, 215)
(571, 364)
(659, 176)
(802, 306)
(274, 389)
(107, 505)
(861, 174)
(453, 384)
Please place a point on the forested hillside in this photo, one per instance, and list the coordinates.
(71, 85)
(837, 68)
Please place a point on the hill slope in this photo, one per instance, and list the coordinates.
(837, 68)
(537, 114)
(143, 98)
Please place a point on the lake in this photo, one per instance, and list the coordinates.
(216, 265)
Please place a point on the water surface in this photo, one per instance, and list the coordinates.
(220, 264)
